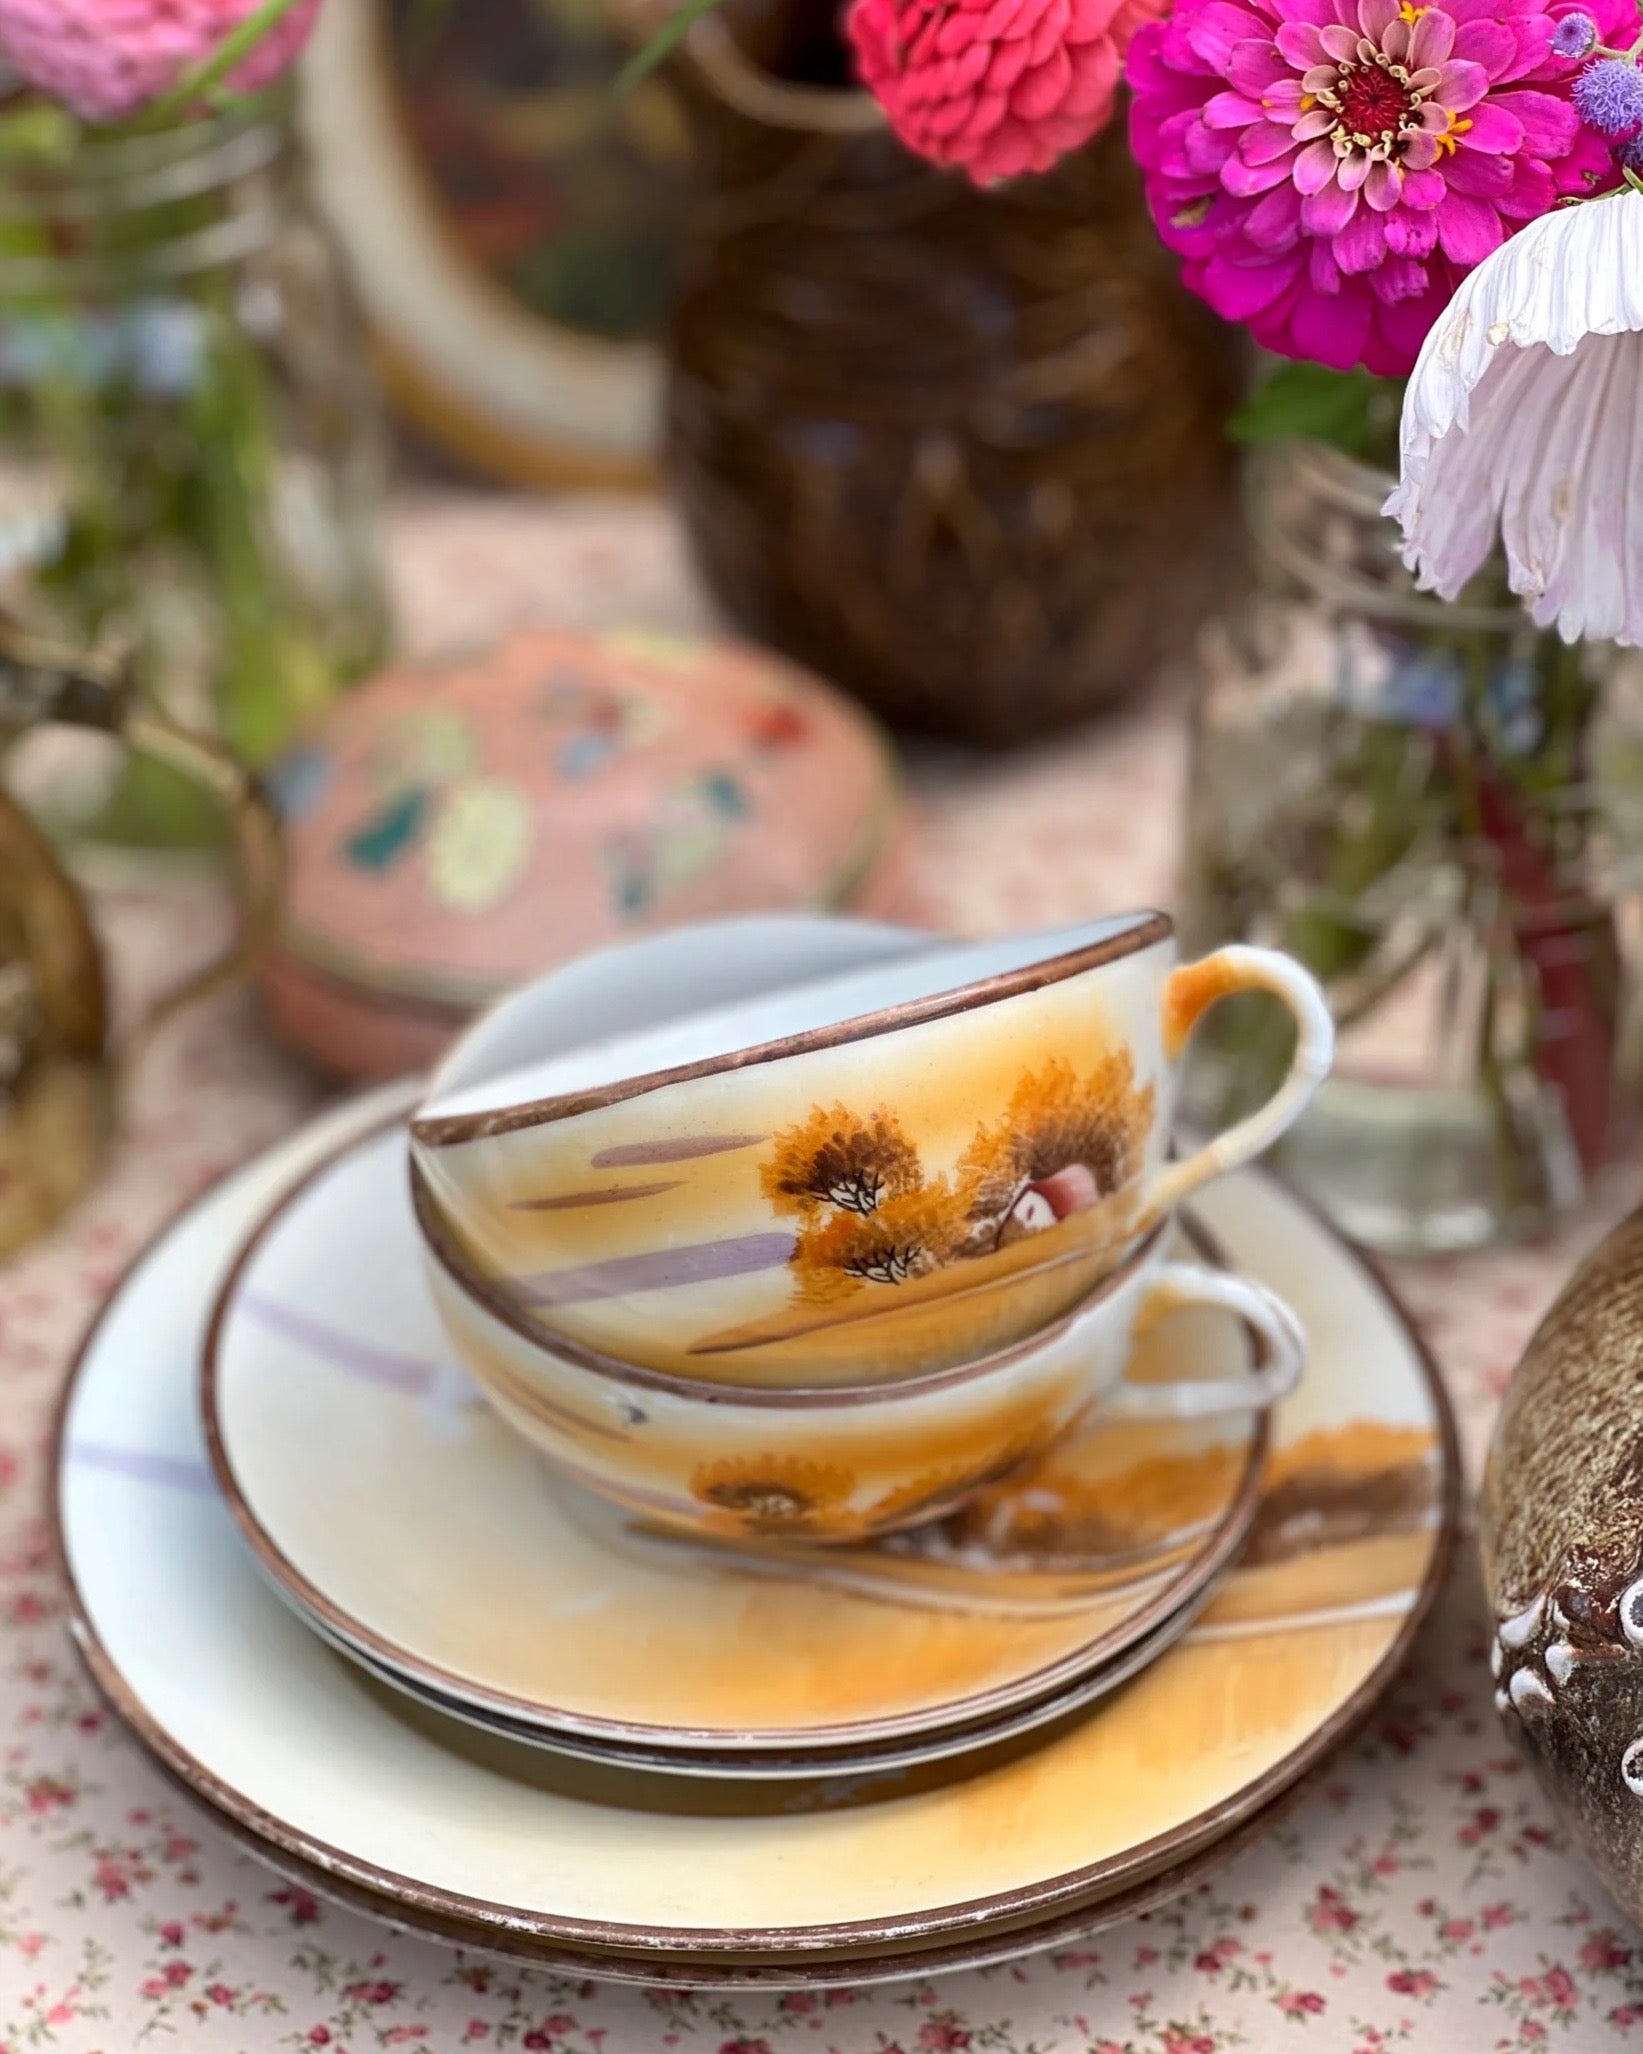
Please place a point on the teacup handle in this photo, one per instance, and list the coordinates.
(1183, 1286)
(40, 685)
(1188, 994)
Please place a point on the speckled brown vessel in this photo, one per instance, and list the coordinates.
(1560, 1526)
(960, 451)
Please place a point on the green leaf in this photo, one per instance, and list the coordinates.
(672, 32)
(38, 132)
(1352, 411)
(206, 78)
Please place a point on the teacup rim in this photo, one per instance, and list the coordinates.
(438, 1246)
(1143, 929)
(517, 999)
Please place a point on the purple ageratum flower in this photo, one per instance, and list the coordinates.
(1575, 36)
(1329, 170)
(1608, 96)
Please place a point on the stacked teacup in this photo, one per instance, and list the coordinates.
(871, 1524)
(819, 1259)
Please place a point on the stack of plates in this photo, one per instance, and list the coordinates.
(498, 1711)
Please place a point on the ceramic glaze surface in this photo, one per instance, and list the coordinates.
(621, 989)
(1560, 1528)
(841, 1464)
(246, 1704)
(337, 1406)
(794, 1188)
(456, 828)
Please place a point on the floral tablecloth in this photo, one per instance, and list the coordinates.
(1421, 1896)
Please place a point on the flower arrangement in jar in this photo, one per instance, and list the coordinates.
(1426, 211)
(190, 460)
(1432, 796)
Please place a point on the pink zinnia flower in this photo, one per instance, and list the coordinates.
(104, 58)
(1330, 169)
(995, 87)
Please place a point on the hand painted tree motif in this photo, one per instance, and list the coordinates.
(1061, 1513)
(906, 1236)
(869, 1215)
(1064, 1143)
(837, 1159)
(773, 1494)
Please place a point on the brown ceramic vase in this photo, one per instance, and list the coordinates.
(1560, 1526)
(961, 451)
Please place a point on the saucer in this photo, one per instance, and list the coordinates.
(821, 1775)
(410, 1525)
(255, 1715)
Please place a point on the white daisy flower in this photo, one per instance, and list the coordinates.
(1524, 417)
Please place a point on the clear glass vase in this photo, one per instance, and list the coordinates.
(1439, 810)
(190, 448)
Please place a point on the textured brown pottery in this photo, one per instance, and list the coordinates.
(960, 451)
(1560, 1525)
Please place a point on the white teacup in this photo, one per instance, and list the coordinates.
(842, 1176)
(842, 1464)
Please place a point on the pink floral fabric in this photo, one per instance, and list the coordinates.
(1419, 1897)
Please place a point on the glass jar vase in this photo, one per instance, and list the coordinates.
(190, 450)
(1439, 809)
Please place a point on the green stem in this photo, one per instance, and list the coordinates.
(666, 39)
(202, 81)
(1352, 1008)
(1376, 813)
(1470, 746)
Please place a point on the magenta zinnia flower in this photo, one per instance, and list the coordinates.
(104, 58)
(1330, 169)
(996, 90)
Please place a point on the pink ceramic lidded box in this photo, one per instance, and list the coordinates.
(456, 828)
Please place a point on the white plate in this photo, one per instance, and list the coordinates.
(255, 1714)
(410, 1525)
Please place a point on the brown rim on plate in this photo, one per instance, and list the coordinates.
(658, 1943)
(959, 1750)
(702, 1390)
(708, 1972)
(834, 1745)
(1144, 931)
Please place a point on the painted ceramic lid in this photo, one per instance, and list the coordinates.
(456, 828)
